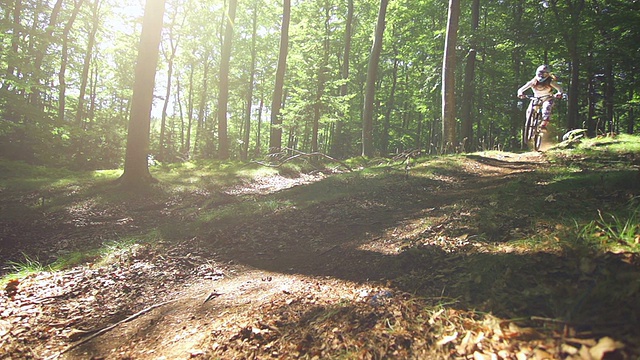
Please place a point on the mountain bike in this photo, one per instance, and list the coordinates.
(532, 126)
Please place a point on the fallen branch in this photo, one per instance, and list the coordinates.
(111, 327)
(299, 154)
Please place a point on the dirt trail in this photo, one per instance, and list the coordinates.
(293, 265)
(312, 273)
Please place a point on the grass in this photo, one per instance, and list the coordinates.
(559, 198)
(25, 267)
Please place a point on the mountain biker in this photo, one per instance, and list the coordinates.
(542, 84)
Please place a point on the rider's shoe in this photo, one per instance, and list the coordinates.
(543, 126)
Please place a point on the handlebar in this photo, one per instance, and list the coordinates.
(530, 97)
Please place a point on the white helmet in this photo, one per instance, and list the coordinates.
(542, 72)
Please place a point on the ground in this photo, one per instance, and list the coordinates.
(404, 267)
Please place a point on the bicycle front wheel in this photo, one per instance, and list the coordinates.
(537, 139)
(526, 131)
(536, 131)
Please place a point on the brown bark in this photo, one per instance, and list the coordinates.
(370, 85)
(136, 168)
(275, 138)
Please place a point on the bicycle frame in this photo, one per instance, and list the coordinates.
(532, 130)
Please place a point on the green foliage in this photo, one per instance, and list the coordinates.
(613, 232)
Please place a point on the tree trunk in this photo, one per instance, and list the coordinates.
(275, 138)
(608, 94)
(317, 106)
(41, 52)
(572, 17)
(244, 155)
(259, 132)
(87, 62)
(187, 143)
(370, 85)
(197, 144)
(469, 81)
(223, 95)
(136, 168)
(65, 58)
(338, 144)
(384, 141)
(170, 58)
(448, 78)
(15, 40)
(631, 114)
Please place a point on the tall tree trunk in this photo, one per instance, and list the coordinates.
(322, 70)
(165, 106)
(384, 138)
(259, 130)
(170, 58)
(572, 17)
(370, 85)
(80, 114)
(136, 167)
(275, 138)
(41, 52)
(631, 114)
(202, 105)
(469, 80)
(244, 155)
(62, 89)
(608, 94)
(448, 77)
(223, 95)
(178, 102)
(338, 144)
(15, 40)
(187, 145)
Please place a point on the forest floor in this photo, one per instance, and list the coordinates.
(426, 261)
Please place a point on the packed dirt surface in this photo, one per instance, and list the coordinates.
(414, 267)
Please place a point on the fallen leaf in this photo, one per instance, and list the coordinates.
(77, 334)
(605, 345)
(482, 356)
(447, 339)
(5, 327)
(11, 289)
(196, 353)
(433, 318)
(463, 348)
(540, 354)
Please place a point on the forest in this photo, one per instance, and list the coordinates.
(427, 231)
(238, 80)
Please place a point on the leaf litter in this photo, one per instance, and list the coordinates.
(437, 283)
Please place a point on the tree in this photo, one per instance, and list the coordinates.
(169, 57)
(95, 12)
(64, 59)
(136, 167)
(337, 148)
(469, 80)
(571, 11)
(275, 138)
(448, 77)
(223, 95)
(244, 152)
(370, 86)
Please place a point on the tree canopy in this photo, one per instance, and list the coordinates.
(67, 76)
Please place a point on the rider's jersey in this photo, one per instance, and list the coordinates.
(541, 88)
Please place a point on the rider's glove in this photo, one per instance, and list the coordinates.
(522, 96)
(558, 95)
